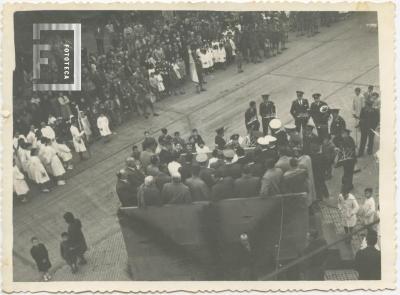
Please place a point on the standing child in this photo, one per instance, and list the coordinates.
(368, 208)
(349, 207)
(68, 252)
(41, 256)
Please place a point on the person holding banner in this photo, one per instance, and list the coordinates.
(77, 138)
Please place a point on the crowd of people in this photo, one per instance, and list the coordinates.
(140, 59)
(290, 159)
(138, 63)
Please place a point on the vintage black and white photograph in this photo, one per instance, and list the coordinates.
(196, 145)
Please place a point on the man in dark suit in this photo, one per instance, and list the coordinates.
(267, 111)
(369, 121)
(368, 260)
(247, 185)
(319, 112)
(223, 188)
(220, 141)
(250, 117)
(300, 111)
(134, 174)
(124, 191)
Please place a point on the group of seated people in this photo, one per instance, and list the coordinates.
(152, 178)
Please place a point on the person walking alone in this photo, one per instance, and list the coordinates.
(40, 254)
(75, 235)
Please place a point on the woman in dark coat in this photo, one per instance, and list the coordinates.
(41, 256)
(76, 236)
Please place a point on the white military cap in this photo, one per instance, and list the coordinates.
(275, 124)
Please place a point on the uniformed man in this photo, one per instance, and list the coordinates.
(337, 125)
(369, 121)
(267, 111)
(295, 140)
(219, 138)
(319, 112)
(278, 132)
(251, 118)
(300, 111)
(347, 149)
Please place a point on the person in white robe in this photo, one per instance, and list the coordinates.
(86, 125)
(77, 139)
(47, 131)
(38, 172)
(31, 137)
(348, 207)
(20, 187)
(64, 152)
(368, 209)
(53, 163)
(23, 154)
(103, 125)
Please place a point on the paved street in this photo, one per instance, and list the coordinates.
(333, 63)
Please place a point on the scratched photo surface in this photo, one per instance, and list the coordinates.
(184, 145)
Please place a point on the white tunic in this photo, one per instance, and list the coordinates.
(79, 144)
(19, 183)
(102, 124)
(48, 132)
(31, 138)
(349, 209)
(52, 162)
(37, 170)
(369, 211)
(23, 156)
(63, 152)
(204, 150)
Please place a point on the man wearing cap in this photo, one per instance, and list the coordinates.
(369, 121)
(247, 185)
(300, 111)
(319, 112)
(206, 174)
(176, 192)
(230, 167)
(338, 124)
(219, 138)
(250, 117)
(295, 140)
(267, 111)
(277, 132)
